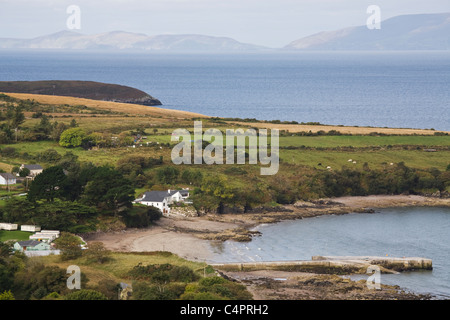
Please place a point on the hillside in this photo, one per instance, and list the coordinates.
(82, 89)
(406, 32)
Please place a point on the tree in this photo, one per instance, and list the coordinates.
(212, 195)
(108, 189)
(69, 245)
(73, 137)
(16, 117)
(48, 185)
(97, 253)
(36, 280)
(25, 172)
(192, 176)
(167, 175)
(73, 123)
(141, 216)
(57, 130)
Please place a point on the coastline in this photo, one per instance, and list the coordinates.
(192, 237)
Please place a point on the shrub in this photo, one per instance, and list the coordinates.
(163, 273)
(85, 294)
(8, 152)
(215, 288)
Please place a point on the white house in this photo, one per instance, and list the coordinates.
(161, 199)
(35, 169)
(7, 179)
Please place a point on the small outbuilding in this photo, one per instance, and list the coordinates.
(8, 226)
(30, 228)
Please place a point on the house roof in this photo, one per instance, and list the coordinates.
(184, 192)
(157, 196)
(7, 175)
(32, 166)
(29, 243)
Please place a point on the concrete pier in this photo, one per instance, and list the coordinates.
(334, 265)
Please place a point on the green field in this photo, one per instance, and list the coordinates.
(363, 141)
(14, 235)
(375, 159)
(385, 150)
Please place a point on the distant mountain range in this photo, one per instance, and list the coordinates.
(120, 40)
(406, 32)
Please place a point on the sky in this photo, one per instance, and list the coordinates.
(271, 23)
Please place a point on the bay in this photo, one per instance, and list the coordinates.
(395, 232)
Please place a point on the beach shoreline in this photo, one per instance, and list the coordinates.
(193, 238)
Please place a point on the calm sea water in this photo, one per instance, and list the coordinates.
(399, 232)
(409, 90)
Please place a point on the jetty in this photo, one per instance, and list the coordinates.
(334, 265)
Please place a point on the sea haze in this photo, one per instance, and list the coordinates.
(383, 89)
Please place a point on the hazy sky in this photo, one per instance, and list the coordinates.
(272, 23)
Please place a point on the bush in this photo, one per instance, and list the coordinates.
(143, 291)
(69, 245)
(108, 288)
(49, 155)
(8, 152)
(85, 294)
(97, 253)
(7, 295)
(163, 273)
(215, 288)
(141, 217)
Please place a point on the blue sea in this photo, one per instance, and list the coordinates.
(388, 89)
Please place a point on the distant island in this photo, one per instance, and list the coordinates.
(82, 89)
(404, 32)
(129, 41)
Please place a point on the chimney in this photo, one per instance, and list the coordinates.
(168, 191)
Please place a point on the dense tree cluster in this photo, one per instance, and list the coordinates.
(215, 193)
